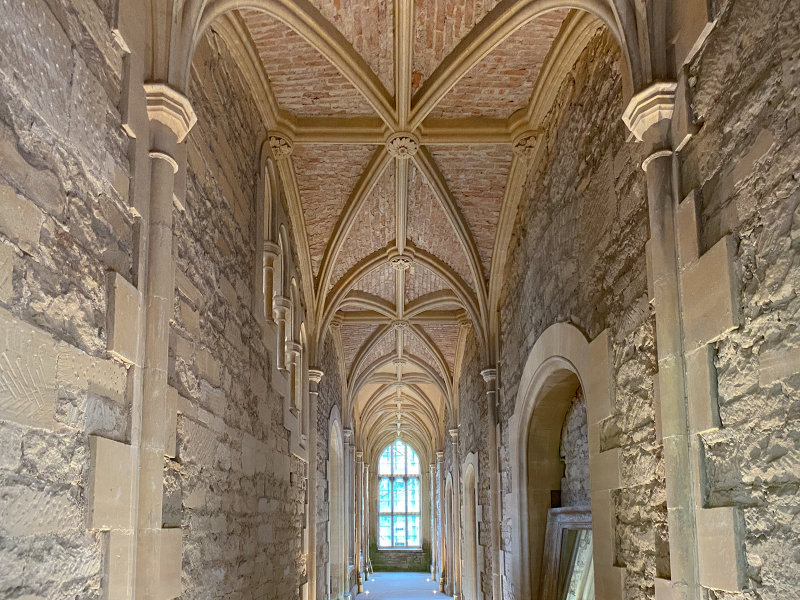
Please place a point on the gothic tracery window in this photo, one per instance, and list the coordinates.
(399, 497)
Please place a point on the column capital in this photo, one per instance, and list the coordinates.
(280, 306)
(280, 144)
(347, 434)
(293, 349)
(454, 435)
(170, 108)
(271, 250)
(315, 376)
(440, 457)
(359, 456)
(490, 376)
(651, 111)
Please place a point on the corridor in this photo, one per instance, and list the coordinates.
(400, 586)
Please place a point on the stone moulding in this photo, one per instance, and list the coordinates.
(280, 144)
(170, 108)
(563, 348)
(652, 105)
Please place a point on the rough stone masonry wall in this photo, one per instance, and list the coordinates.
(574, 453)
(745, 161)
(473, 432)
(330, 395)
(234, 487)
(578, 256)
(63, 224)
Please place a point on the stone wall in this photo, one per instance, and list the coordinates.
(63, 224)
(745, 163)
(234, 487)
(574, 453)
(330, 396)
(578, 256)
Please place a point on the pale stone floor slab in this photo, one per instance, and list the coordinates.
(400, 586)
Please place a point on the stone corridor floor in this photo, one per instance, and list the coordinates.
(400, 586)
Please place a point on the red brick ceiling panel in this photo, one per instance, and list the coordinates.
(379, 282)
(415, 346)
(477, 176)
(503, 81)
(445, 336)
(326, 175)
(421, 280)
(373, 227)
(369, 26)
(303, 80)
(353, 337)
(440, 25)
(428, 227)
(385, 346)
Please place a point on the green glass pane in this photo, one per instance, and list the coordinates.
(385, 531)
(412, 533)
(399, 495)
(400, 530)
(384, 495)
(413, 495)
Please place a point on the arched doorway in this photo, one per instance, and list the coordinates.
(337, 534)
(470, 562)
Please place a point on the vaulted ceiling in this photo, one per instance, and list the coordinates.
(400, 148)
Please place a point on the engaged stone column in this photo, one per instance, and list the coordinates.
(442, 562)
(349, 460)
(490, 378)
(705, 547)
(271, 254)
(157, 550)
(457, 525)
(280, 308)
(359, 478)
(432, 483)
(314, 379)
(366, 518)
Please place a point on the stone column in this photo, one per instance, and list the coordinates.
(280, 308)
(359, 480)
(271, 254)
(432, 480)
(694, 304)
(366, 521)
(171, 118)
(490, 378)
(457, 525)
(314, 378)
(349, 460)
(442, 562)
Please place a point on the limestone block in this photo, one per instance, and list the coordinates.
(199, 444)
(6, 272)
(609, 579)
(670, 389)
(663, 589)
(777, 364)
(720, 553)
(83, 372)
(648, 255)
(187, 288)
(119, 565)
(676, 459)
(605, 472)
(688, 230)
(25, 510)
(170, 563)
(597, 379)
(701, 389)
(208, 367)
(170, 442)
(110, 488)
(190, 318)
(710, 289)
(20, 220)
(122, 318)
(657, 408)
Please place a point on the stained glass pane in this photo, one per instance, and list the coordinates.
(384, 495)
(412, 536)
(385, 462)
(385, 531)
(413, 495)
(413, 462)
(399, 467)
(399, 495)
(400, 530)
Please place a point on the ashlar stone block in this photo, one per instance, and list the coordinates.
(170, 564)
(710, 289)
(110, 490)
(20, 220)
(720, 552)
(6, 272)
(122, 318)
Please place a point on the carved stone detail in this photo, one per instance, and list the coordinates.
(402, 145)
(525, 144)
(401, 263)
(649, 107)
(280, 144)
(170, 108)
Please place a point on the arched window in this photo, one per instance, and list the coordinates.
(399, 497)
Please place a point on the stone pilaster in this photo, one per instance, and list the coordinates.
(359, 515)
(442, 562)
(695, 303)
(314, 379)
(490, 378)
(457, 525)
